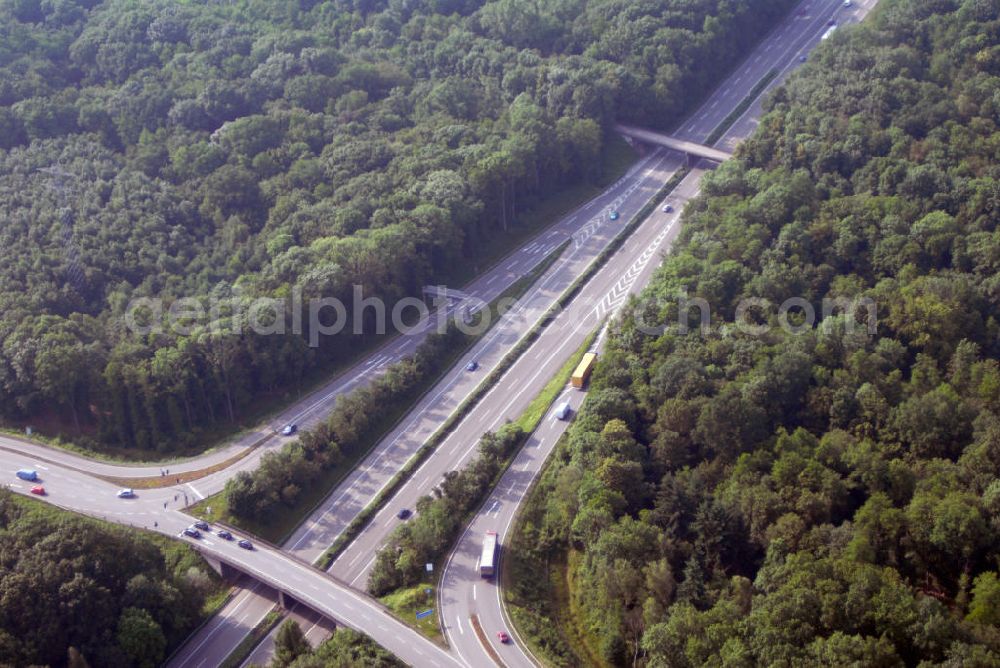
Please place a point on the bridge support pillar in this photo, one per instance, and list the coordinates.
(225, 571)
(285, 601)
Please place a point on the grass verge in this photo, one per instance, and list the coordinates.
(536, 587)
(180, 478)
(528, 420)
(250, 642)
(281, 525)
(406, 603)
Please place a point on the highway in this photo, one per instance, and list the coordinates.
(590, 229)
(462, 593)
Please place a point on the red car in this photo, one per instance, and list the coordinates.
(503, 637)
(39, 490)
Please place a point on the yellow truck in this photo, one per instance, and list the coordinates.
(583, 370)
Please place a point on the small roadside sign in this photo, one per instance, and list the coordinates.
(425, 613)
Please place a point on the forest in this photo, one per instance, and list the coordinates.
(76, 592)
(231, 152)
(826, 496)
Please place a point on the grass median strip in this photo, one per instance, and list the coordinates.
(180, 478)
(533, 414)
(478, 628)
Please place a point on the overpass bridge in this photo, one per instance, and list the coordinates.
(298, 581)
(466, 305)
(693, 150)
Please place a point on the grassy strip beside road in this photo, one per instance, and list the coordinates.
(180, 478)
(250, 642)
(362, 519)
(741, 108)
(538, 610)
(406, 602)
(286, 518)
(533, 414)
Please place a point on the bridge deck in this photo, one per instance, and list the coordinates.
(689, 147)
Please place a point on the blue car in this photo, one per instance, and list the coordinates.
(613, 215)
(472, 366)
(191, 531)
